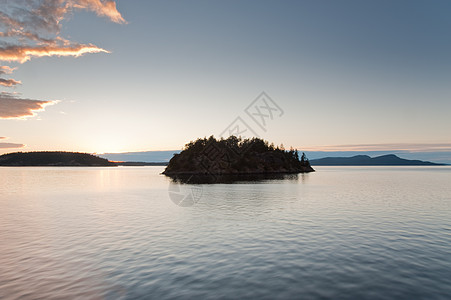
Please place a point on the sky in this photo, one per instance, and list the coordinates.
(125, 76)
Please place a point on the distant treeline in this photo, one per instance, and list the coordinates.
(52, 158)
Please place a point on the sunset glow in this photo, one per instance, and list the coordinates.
(151, 76)
(225, 149)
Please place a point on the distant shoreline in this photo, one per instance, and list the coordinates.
(75, 159)
(365, 160)
(53, 159)
(140, 163)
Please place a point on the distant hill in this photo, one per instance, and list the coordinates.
(53, 159)
(365, 160)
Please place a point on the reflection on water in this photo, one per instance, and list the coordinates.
(350, 233)
(187, 190)
(185, 194)
(232, 178)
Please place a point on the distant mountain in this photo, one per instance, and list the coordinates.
(144, 156)
(365, 160)
(53, 159)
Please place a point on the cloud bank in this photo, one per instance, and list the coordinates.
(31, 29)
(31, 18)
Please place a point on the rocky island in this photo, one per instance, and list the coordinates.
(48, 158)
(235, 156)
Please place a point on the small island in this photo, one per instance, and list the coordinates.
(235, 156)
(57, 158)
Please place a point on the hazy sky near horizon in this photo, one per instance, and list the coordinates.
(153, 75)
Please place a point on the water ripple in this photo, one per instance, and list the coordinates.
(341, 233)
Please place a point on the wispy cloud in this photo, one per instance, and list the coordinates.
(407, 147)
(30, 19)
(23, 53)
(31, 29)
(6, 70)
(9, 145)
(9, 82)
(14, 107)
(101, 8)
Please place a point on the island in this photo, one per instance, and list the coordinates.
(365, 160)
(56, 158)
(235, 156)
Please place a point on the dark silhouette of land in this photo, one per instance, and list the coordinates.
(140, 163)
(235, 156)
(48, 158)
(365, 160)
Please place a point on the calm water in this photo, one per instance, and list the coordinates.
(117, 233)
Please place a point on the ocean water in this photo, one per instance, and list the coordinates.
(130, 233)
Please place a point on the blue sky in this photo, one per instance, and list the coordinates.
(344, 73)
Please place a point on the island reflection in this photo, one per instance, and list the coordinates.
(235, 178)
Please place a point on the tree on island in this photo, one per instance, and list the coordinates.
(304, 159)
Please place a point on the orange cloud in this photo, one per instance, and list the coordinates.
(26, 18)
(30, 29)
(6, 70)
(101, 8)
(23, 53)
(9, 82)
(12, 107)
